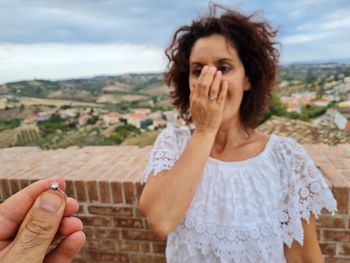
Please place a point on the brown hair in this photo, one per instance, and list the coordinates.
(253, 40)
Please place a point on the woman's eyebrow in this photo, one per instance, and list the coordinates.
(218, 60)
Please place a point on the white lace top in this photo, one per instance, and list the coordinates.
(244, 211)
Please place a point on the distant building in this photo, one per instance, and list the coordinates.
(68, 113)
(324, 101)
(43, 115)
(342, 115)
(136, 119)
(142, 111)
(110, 118)
(155, 115)
(30, 119)
(83, 119)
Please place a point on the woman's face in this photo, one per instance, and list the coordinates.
(218, 52)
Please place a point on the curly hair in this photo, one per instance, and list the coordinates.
(254, 41)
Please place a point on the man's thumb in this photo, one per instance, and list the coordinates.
(39, 227)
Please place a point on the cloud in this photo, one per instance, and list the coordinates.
(59, 39)
(303, 38)
(54, 61)
(78, 21)
(336, 20)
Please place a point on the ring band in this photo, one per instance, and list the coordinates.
(55, 186)
(212, 98)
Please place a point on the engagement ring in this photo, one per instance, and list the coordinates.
(56, 187)
(212, 98)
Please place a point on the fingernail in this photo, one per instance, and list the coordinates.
(51, 202)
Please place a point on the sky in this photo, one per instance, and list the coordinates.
(60, 39)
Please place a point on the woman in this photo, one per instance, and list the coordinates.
(224, 192)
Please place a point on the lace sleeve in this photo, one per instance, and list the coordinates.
(164, 153)
(306, 192)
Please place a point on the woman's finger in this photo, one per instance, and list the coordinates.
(193, 92)
(201, 79)
(214, 89)
(223, 92)
(67, 249)
(14, 209)
(207, 81)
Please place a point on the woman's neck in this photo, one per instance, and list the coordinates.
(230, 135)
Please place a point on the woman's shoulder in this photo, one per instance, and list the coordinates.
(288, 148)
(285, 142)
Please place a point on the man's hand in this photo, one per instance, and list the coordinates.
(33, 218)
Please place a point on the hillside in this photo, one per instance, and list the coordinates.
(90, 89)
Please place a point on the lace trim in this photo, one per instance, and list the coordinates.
(306, 192)
(311, 198)
(160, 161)
(165, 151)
(239, 243)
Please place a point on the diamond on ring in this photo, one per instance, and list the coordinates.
(55, 186)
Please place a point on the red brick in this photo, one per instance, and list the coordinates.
(128, 246)
(344, 249)
(333, 175)
(89, 231)
(331, 222)
(129, 195)
(96, 220)
(100, 244)
(4, 189)
(128, 222)
(110, 210)
(70, 189)
(116, 192)
(139, 235)
(82, 209)
(336, 235)
(138, 212)
(328, 248)
(14, 186)
(81, 192)
(336, 260)
(158, 247)
(342, 196)
(138, 187)
(104, 192)
(79, 260)
(107, 233)
(107, 256)
(318, 232)
(92, 191)
(147, 259)
(145, 246)
(23, 183)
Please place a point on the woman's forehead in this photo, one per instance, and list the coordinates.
(214, 48)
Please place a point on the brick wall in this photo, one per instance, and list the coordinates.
(106, 182)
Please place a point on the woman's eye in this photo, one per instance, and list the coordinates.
(196, 72)
(224, 69)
